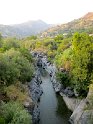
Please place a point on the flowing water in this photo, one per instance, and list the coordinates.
(52, 107)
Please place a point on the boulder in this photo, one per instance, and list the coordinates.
(36, 115)
(28, 102)
(72, 103)
(57, 87)
(69, 92)
(77, 116)
(35, 93)
(83, 114)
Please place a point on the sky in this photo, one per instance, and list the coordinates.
(50, 11)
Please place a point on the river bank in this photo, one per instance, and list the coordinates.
(81, 113)
(46, 105)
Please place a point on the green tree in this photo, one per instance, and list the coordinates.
(33, 37)
(58, 38)
(9, 43)
(82, 61)
(9, 72)
(14, 66)
(25, 52)
(14, 113)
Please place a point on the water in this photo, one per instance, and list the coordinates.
(52, 108)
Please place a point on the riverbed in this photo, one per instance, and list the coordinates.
(52, 107)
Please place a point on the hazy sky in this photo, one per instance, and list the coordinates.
(50, 11)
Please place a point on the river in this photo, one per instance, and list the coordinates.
(52, 107)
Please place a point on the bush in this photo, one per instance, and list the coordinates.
(82, 62)
(2, 120)
(26, 69)
(14, 92)
(64, 78)
(9, 72)
(26, 54)
(14, 66)
(9, 43)
(14, 113)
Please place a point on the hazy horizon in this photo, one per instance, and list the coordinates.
(49, 11)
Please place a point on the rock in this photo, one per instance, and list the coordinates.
(87, 117)
(69, 92)
(57, 87)
(76, 117)
(36, 115)
(35, 93)
(72, 103)
(28, 102)
(83, 114)
(62, 69)
(76, 93)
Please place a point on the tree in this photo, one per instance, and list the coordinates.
(58, 37)
(33, 37)
(14, 113)
(82, 61)
(9, 43)
(14, 66)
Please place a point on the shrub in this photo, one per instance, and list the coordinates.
(14, 113)
(9, 72)
(2, 120)
(82, 62)
(13, 67)
(64, 78)
(16, 93)
(26, 54)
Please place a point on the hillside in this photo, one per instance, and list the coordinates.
(24, 29)
(83, 24)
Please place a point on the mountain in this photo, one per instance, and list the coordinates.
(83, 24)
(24, 29)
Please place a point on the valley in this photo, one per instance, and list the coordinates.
(46, 73)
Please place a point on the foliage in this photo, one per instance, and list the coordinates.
(82, 61)
(2, 120)
(15, 92)
(26, 69)
(25, 52)
(58, 38)
(74, 55)
(63, 60)
(14, 66)
(14, 113)
(33, 37)
(77, 59)
(66, 43)
(9, 72)
(64, 78)
(9, 43)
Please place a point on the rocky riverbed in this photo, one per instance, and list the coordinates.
(82, 114)
(80, 107)
(35, 93)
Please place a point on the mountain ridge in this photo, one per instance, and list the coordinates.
(83, 24)
(34, 27)
(24, 29)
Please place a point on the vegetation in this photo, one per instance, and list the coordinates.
(14, 113)
(16, 68)
(82, 61)
(72, 55)
(83, 24)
